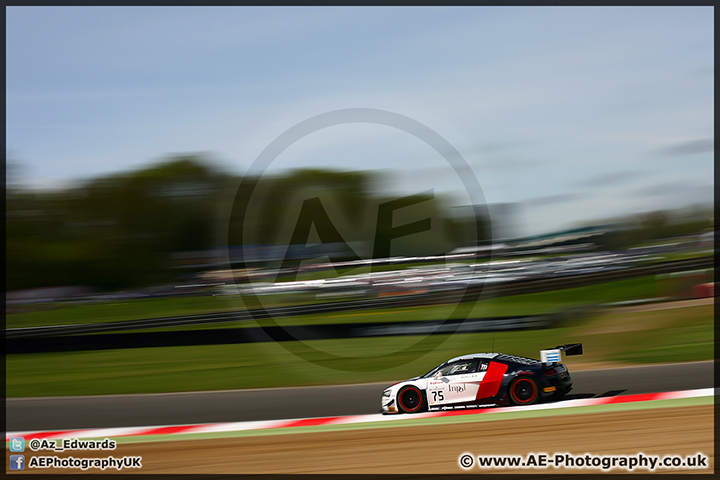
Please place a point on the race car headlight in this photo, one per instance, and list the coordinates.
(386, 393)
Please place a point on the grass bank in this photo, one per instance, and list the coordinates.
(682, 334)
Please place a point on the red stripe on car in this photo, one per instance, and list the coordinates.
(490, 384)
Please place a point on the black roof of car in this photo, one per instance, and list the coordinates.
(516, 359)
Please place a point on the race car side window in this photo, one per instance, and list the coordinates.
(448, 369)
(461, 368)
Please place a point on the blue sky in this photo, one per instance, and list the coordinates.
(575, 114)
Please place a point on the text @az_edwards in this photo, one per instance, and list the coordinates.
(64, 444)
(19, 461)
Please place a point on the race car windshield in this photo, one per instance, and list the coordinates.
(455, 368)
(433, 371)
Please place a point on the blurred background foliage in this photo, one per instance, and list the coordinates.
(111, 232)
(652, 226)
(120, 231)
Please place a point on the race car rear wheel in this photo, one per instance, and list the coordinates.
(523, 391)
(410, 399)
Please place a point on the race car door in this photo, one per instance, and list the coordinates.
(456, 383)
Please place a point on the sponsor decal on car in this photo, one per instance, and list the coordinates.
(460, 388)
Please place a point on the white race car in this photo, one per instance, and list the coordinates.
(483, 380)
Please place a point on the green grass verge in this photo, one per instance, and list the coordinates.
(655, 336)
(516, 305)
(529, 304)
(111, 311)
(691, 254)
(66, 313)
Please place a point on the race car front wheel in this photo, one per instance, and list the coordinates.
(523, 391)
(410, 399)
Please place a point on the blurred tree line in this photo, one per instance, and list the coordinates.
(111, 232)
(119, 231)
(646, 228)
(345, 208)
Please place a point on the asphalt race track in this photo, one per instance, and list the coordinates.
(58, 413)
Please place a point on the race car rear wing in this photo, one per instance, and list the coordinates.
(551, 355)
